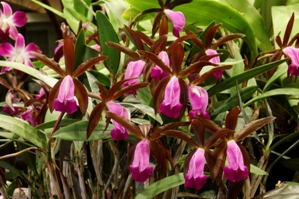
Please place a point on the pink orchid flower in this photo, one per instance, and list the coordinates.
(118, 132)
(235, 170)
(199, 100)
(178, 20)
(157, 72)
(65, 101)
(20, 53)
(134, 70)
(195, 178)
(28, 116)
(214, 60)
(293, 54)
(9, 22)
(140, 167)
(171, 106)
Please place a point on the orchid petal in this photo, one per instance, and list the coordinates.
(140, 168)
(235, 170)
(178, 20)
(156, 71)
(171, 105)
(134, 70)
(293, 54)
(214, 60)
(19, 18)
(20, 42)
(118, 132)
(195, 178)
(6, 49)
(6, 9)
(65, 102)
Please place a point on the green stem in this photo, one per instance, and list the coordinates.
(52, 133)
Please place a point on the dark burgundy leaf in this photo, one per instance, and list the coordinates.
(226, 38)
(94, 118)
(203, 77)
(217, 135)
(5, 83)
(124, 49)
(231, 119)
(137, 41)
(130, 126)
(53, 94)
(288, 30)
(180, 135)
(69, 54)
(210, 125)
(177, 58)
(278, 41)
(253, 126)
(169, 126)
(193, 68)
(50, 63)
(156, 24)
(180, 40)
(163, 26)
(154, 58)
(82, 96)
(145, 38)
(87, 65)
(159, 45)
(158, 96)
(199, 131)
(129, 88)
(210, 35)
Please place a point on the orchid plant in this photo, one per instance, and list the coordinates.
(158, 109)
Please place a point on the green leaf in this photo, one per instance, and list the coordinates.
(80, 48)
(107, 33)
(282, 69)
(233, 100)
(24, 130)
(291, 136)
(161, 186)
(255, 21)
(63, 122)
(147, 109)
(77, 132)
(30, 71)
(103, 79)
(274, 92)
(202, 12)
(79, 6)
(285, 192)
(243, 77)
(257, 171)
(56, 12)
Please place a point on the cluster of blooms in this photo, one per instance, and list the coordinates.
(65, 102)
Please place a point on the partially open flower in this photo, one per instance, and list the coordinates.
(171, 106)
(140, 167)
(118, 132)
(133, 70)
(178, 20)
(293, 54)
(214, 60)
(9, 21)
(199, 100)
(195, 178)
(20, 53)
(65, 101)
(157, 72)
(235, 170)
(28, 115)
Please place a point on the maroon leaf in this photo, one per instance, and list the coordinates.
(245, 156)
(163, 26)
(158, 153)
(288, 30)
(226, 38)
(210, 35)
(203, 77)
(253, 126)
(180, 40)
(130, 126)
(193, 68)
(159, 44)
(69, 54)
(278, 41)
(116, 86)
(166, 127)
(5, 83)
(219, 155)
(87, 65)
(53, 94)
(210, 125)
(82, 96)
(180, 135)
(177, 58)
(293, 39)
(231, 119)
(22, 80)
(129, 88)
(183, 96)
(156, 24)
(50, 63)
(94, 118)
(217, 135)
(124, 49)
(103, 91)
(158, 96)
(199, 131)
(154, 58)
(137, 41)
(145, 38)
(12, 79)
